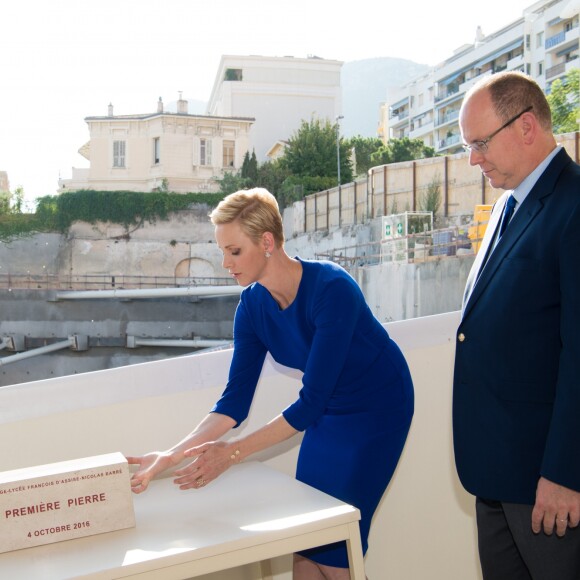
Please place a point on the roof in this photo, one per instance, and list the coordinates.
(144, 116)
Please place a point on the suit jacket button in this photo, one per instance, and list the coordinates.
(461, 337)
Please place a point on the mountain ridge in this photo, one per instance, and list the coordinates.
(365, 84)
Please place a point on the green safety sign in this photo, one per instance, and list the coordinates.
(399, 228)
(387, 230)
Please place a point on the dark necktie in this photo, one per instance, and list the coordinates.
(508, 211)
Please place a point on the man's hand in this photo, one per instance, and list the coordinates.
(557, 507)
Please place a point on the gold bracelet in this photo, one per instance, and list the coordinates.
(235, 455)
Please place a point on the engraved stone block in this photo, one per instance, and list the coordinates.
(65, 500)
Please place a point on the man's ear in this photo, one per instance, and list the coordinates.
(529, 127)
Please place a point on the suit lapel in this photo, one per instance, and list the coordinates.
(526, 214)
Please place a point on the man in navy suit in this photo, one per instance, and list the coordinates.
(516, 397)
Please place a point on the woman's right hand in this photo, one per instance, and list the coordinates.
(149, 466)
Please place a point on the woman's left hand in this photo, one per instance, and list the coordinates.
(211, 460)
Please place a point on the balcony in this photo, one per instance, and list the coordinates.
(451, 141)
(561, 38)
(422, 130)
(555, 71)
(450, 92)
(399, 117)
(562, 68)
(136, 408)
(464, 87)
(516, 63)
(448, 117)
(555, 40)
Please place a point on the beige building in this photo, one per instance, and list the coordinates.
(280, 92)
(543, 43)
(4, 183)
(172, 151)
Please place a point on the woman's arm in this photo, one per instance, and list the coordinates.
(212, 459)
(212, 427)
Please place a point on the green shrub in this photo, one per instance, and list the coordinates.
(57, 213)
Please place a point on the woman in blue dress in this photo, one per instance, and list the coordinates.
(356, 401)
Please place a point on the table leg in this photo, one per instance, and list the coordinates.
(266, 570)
(355, 555)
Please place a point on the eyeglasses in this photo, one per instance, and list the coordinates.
(481, 145)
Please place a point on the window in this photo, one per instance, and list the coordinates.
(540, 39)
(229, 149)
(156, 151)
(205, 152)
(118, 153)
(540, 69)
(233, 74)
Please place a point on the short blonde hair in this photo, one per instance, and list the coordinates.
(256, 210)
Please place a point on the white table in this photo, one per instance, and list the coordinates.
(250, 514)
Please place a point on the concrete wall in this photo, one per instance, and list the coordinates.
(38, 320)
(179, 250)
(183, 246)
(401, 187)
(394, 290)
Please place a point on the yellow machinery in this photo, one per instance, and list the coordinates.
(480, 221)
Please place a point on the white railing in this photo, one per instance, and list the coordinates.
(424, 527)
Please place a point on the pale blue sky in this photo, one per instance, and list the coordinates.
(64, 60)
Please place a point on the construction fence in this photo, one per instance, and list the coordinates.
(448, 184)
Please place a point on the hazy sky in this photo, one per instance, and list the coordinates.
(64, 60)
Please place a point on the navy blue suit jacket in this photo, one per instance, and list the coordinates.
(516, 398)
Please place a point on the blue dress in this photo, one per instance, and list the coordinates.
(356, 401)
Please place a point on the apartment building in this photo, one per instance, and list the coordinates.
(543, 43)
(280, 92)
(152, 151)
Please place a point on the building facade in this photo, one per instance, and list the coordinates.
(280, 92)
(542, 43)
(4, 183)
(160, 151)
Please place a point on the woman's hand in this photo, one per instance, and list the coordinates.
(210, 461)
(211, 428)
(150, 465)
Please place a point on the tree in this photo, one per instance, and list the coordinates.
(18, 200)
(253, 167)
(250, 167)
(363, 147)
(312, 153)
(232, 182)
(431, 199)
(271, 175)
(405, 149)
(245, 165)
(564, 100)
(4, 202)
(12, 203)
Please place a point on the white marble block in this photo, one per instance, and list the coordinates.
(61, 501)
